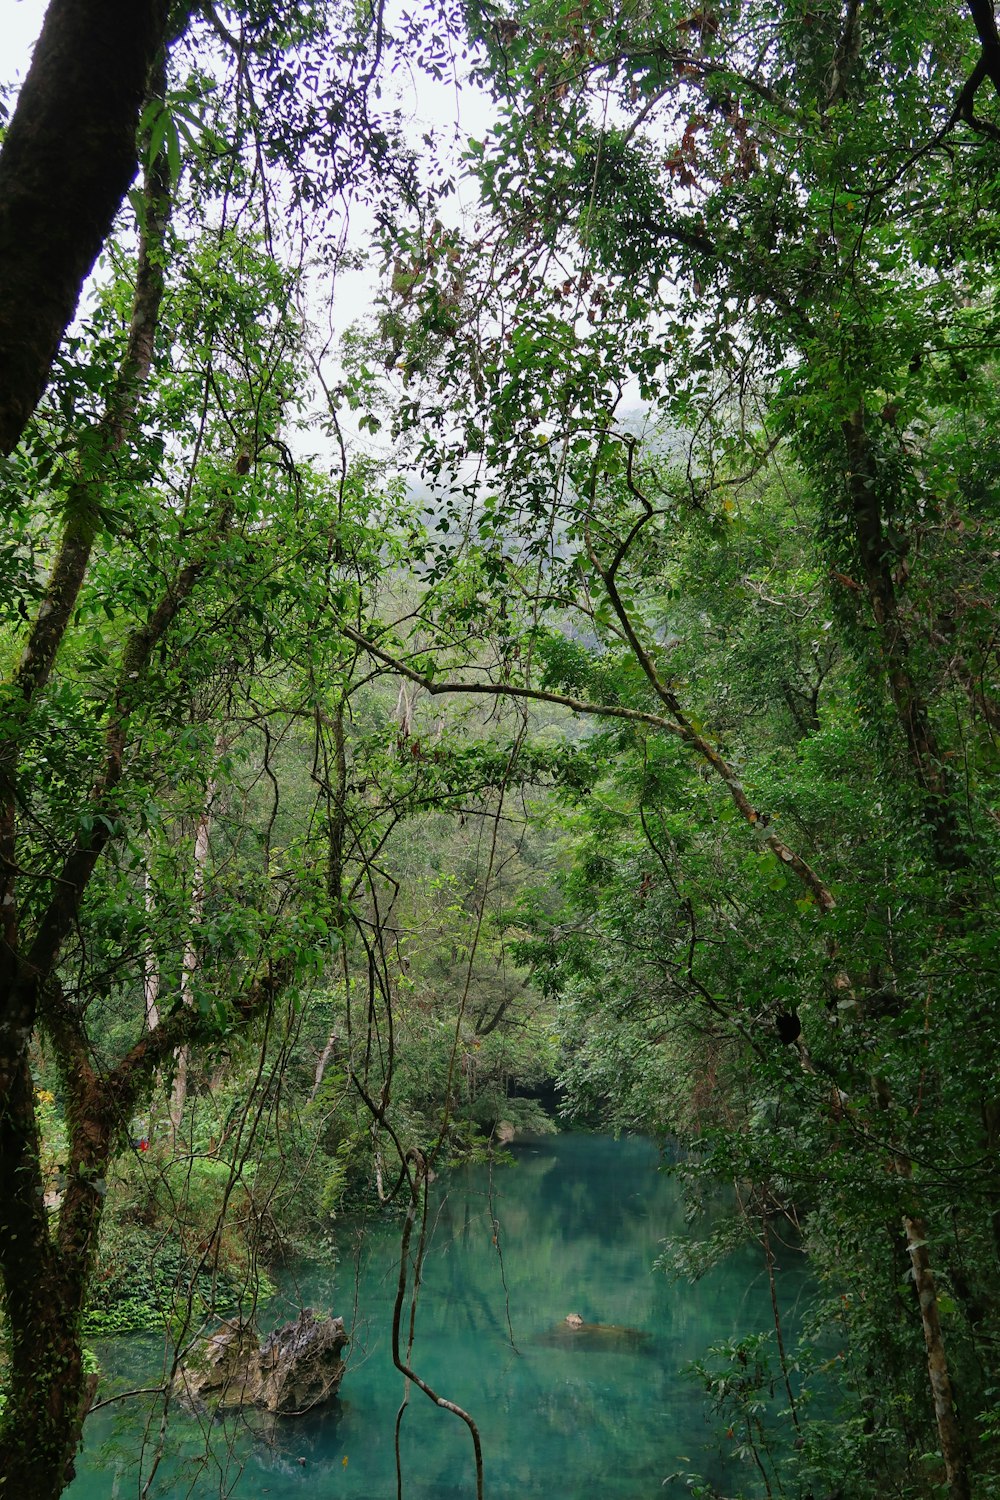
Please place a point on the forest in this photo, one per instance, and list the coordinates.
(499, 631)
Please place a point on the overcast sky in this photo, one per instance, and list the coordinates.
(20, 23)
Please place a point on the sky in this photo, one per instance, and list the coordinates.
(20, 23)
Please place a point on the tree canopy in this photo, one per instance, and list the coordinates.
(586, 673)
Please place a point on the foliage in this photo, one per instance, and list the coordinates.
(653, 745)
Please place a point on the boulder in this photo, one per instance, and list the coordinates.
(222, 1367)
(301, 1364)
(297, 1367)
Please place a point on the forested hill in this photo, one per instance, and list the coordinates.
(579, 681)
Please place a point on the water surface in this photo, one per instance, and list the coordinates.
(574, 1227)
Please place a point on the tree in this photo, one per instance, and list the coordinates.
(161, 544)
(777, 232)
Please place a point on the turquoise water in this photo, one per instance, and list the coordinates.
(579, 1221)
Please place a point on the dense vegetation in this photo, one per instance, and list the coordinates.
(586, 671)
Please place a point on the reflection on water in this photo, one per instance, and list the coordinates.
(573, 1228)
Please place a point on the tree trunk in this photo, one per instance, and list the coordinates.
(44, 1278)
(189, 964)
(43, 1288)
(68, 158)
(942, 1396)
(332, 1041)
(949, 1433)
(49, 1392)
(150, 966)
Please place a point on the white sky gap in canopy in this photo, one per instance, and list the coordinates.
(451, 109)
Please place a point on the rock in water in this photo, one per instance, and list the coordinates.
(224, 1367)
(301, 1364)
(298, 1366)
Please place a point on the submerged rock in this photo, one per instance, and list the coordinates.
(297, 1367)
(573, 1332)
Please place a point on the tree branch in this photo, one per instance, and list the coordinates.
(679, 727)
(989, 39)
(80, 863)
(81, 517)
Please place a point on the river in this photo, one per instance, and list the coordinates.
(574, 1227)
